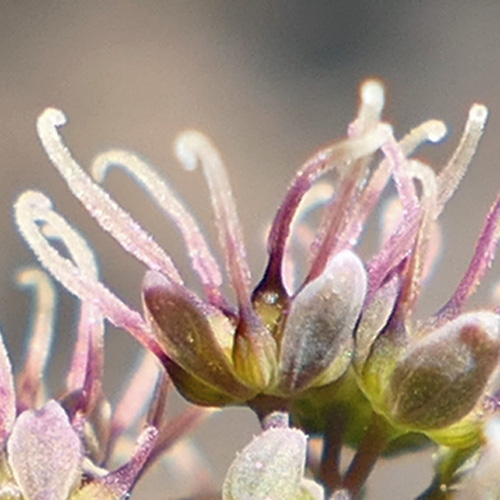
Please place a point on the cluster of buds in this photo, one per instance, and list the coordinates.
(61, 449)
(337, 350)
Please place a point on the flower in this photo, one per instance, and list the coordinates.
(428, 375)
(277, 342)
(60, 449)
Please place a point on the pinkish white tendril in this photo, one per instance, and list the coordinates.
(484, 253)
(451, 175)
(193, 148)
(335, 156)
(133, 401)
(110, 216)
(202, 259)
(33, 207)
(431, 131)
(428, 206)
(370, 109)
(86, 367)
(42, 330)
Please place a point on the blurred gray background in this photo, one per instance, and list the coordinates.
(269, 81)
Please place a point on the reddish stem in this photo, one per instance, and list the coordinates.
(373, 444)
(329, 472)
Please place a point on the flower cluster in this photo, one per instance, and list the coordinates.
(339, 350)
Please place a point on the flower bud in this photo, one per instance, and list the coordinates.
(441, 378)
(318, 339)
(270, 467)
(45, 453)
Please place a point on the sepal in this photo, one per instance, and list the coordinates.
(254, 357)
(197, 390)
(443, 376)
(318, 338)
(375, 317)
(195, 336)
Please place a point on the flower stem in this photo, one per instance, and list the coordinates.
(372, 445)
(329, 472)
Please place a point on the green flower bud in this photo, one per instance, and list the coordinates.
(197, 390)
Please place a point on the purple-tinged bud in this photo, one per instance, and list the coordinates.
(318, 337)
(442, 377)
(117, 485)
(270, 467)
(196, 336)
(45, 453)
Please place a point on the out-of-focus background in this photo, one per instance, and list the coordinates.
(269, 81)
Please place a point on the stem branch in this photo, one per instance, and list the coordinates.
(373, 444)
(329, 472)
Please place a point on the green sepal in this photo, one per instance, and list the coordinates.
(194, 335)
(198, 392)
(255, 356)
